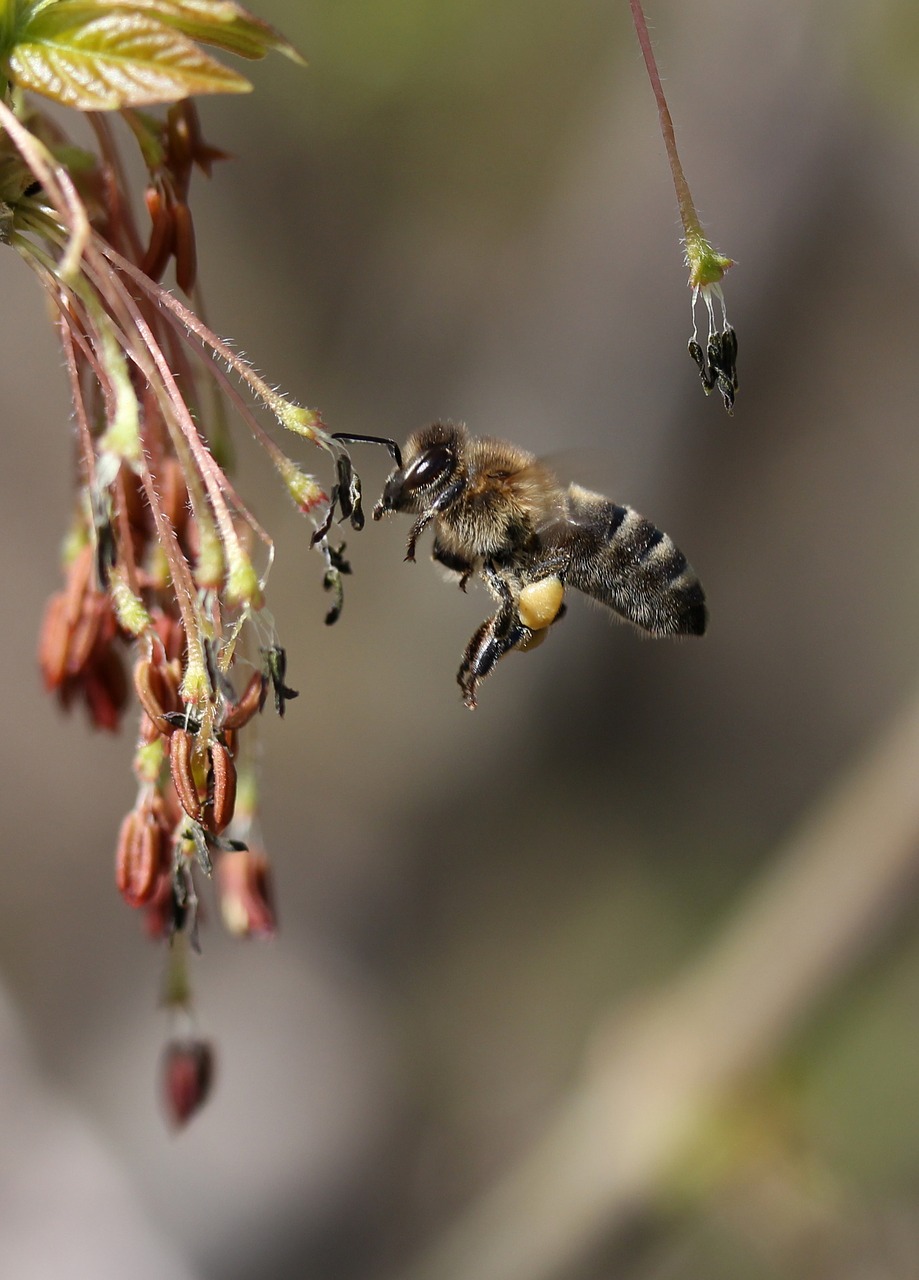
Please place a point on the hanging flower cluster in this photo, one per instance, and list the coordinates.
(165, 567)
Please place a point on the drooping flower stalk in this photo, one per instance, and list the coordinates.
(164, 560)
(707, 265)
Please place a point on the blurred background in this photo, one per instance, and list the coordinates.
(463, 210)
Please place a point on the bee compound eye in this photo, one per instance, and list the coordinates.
(434, 463)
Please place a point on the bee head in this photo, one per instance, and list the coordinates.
(432, 461)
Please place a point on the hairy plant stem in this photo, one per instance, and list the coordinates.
(692, 226)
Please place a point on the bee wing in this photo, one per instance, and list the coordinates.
(619, 558)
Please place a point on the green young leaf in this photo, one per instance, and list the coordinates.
(100, 57)
(217, 22)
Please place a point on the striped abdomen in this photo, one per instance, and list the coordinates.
(627, 563)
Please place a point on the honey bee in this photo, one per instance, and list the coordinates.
(500, 514)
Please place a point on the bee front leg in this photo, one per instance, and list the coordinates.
(417, 530)
(440, 503)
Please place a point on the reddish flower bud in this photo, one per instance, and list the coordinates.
(186, 254)
(156, 683)
(181, 767)
(244, 889)
(162, 235)
(105, 688)
(76, 648)
(251, 700)
(53, 642)
(141, 856)
(221, 789)
(187, 1073)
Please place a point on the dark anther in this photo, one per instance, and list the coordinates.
(336, 565)
(106, 554)
(699, 358)
(202, 852)
(181, 720)
(718, 365)
(326, 525)
(186, 902)
(729, 356)
(219, 679)
(348, 492)
(276, 670)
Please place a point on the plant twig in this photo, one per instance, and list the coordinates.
(655, 1071)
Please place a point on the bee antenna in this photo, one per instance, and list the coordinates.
(387, 444)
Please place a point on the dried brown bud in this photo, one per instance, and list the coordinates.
(244, 888)
(187, 1074)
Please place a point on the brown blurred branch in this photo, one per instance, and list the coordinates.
(657, 1067)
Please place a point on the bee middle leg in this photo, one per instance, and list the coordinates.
(457, 564)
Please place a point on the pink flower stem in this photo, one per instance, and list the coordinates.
(692, 227)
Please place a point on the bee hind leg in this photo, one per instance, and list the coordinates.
(494, 638)
(489, 643)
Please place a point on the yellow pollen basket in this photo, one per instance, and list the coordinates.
(539, 603)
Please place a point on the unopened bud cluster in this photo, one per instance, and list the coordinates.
(186, 757)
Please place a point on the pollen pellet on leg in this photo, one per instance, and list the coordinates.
(540, 602)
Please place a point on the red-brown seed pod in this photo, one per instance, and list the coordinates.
(140, 857)
(181, 767)
(187, 1076)
(186, 253)
(221, 789)
(251, 701)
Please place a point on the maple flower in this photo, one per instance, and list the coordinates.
(165, 566)
(717, 363)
